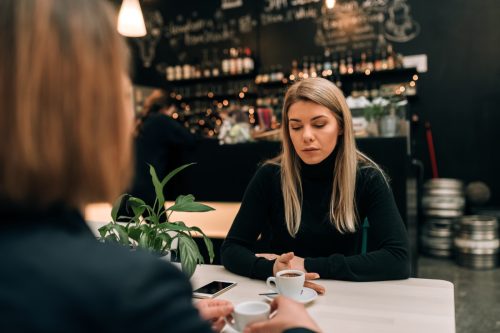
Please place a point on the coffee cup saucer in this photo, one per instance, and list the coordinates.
(229, 329)
(308, 295)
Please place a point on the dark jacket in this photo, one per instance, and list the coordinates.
(56, 277)
(158, 143)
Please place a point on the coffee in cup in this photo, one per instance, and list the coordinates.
(248, 313)
(288, 283)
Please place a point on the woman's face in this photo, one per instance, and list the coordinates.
(314, 131)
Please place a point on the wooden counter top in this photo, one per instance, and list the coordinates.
(215, 224)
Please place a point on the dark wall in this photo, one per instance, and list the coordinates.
(459, 95)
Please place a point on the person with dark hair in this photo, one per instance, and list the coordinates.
(158, 139)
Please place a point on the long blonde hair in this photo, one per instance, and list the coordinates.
(66, 136)
(343, 211)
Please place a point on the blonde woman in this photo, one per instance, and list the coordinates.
(321, 206)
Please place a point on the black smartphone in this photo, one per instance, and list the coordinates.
(212, 289)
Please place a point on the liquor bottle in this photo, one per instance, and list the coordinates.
(295, 70)
(350, 63)
(391, 61)
(248, 62)
(233, 54)
(369, 62)
(342, 66)
(362, 64)
(335, 65)
(225, 61)
(327, 64)
(239, 60)
(305, 68)
(319, 66)
(215, 63)
(205, 64)
(312, 68)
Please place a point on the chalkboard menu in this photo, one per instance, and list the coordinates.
(277, 31)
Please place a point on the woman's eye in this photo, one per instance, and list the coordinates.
(319, 125)
(295, 128)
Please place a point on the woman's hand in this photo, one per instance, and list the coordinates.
(214, 311)
(290, 261)
(282, 262)
(308, 284)
(289, 314)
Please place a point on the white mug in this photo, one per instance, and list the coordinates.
(288, 282)
(248, 313)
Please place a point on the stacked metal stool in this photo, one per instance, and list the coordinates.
(476, 242)
(443, 202)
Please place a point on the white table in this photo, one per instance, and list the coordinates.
(412, 305)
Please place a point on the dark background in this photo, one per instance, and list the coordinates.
(459, 95)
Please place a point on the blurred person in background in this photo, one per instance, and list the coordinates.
(158, 142)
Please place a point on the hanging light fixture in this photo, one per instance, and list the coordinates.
(330, 4)
(130, 19)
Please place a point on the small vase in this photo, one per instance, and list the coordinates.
(388, 125)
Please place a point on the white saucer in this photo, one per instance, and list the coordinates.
(229, 329)
(308, 295)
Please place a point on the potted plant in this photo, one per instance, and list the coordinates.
(383, 113)
(154, 231)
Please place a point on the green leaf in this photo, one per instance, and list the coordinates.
(134, 233)
(104, 230)
(158, 187)
(116, 207)
(173, 173)
(208, 243)
(138, 206)
(186, 203)
(190, 254)
(175, 226)
(166, 242)
(122, 233)
(144, 240)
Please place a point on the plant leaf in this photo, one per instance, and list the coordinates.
(165, 237)
(190, 254)
(158, 187)
(116, 207)
(208, 243)
(134, 233)
(173, 173)
(138, 205)
(175, 226)
(186, 203)
(122, 233)
(144, 240)
(104, 230)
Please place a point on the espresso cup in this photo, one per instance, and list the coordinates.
(288, 282)
(248, 313)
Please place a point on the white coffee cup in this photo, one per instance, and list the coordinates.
(288, 282)
(248, 313)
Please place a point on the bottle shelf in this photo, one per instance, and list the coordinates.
(219, 97)
(219, 78)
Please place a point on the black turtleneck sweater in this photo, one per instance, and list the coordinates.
(259, 227)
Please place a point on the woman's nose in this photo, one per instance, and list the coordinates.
(307, 135)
